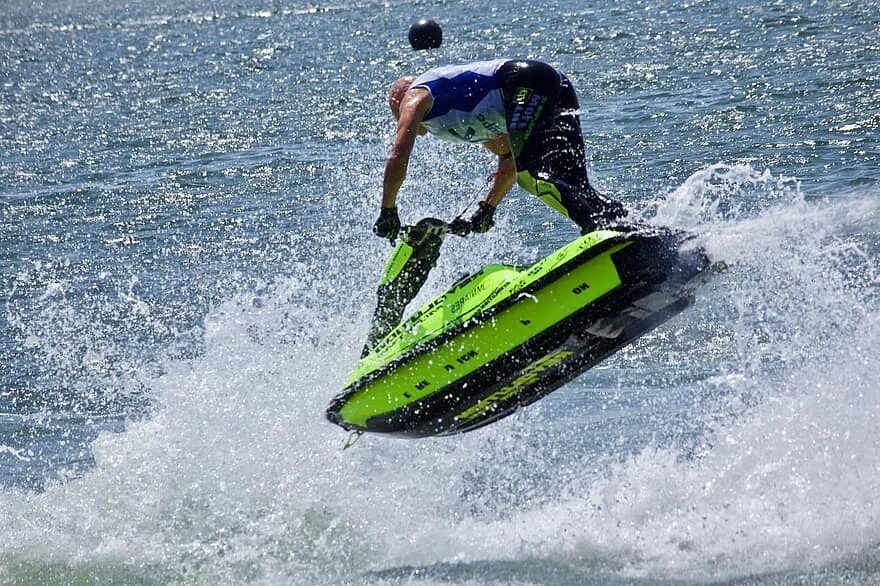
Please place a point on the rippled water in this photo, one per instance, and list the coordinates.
(186, 193)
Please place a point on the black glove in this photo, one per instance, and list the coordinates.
(388, 224)
(482, 220)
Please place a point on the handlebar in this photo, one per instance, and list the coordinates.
(427, 228)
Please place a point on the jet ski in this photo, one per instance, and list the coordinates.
(506, 336)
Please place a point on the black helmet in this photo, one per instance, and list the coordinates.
(425, 34)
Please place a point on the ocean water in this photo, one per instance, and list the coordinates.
(188, 272)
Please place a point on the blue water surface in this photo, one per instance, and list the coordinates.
(187, 270)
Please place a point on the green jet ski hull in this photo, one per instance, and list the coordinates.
(506, 336)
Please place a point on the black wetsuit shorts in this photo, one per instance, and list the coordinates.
(541, 110)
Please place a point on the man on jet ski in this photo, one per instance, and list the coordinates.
(525, 112)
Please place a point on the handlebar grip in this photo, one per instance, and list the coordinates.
(459, 227)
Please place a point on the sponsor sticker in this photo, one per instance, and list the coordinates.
(525, 114)
(522, 95)
(528, 376)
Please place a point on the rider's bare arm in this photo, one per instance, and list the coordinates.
(505, 176)
(413, 107)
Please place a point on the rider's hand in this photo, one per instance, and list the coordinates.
(482, 220)
(388, 224)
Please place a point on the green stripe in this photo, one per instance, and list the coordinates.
(543, 190)
(398, 259)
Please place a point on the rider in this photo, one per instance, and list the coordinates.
(525, 112)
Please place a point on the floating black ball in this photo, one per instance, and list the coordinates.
(425, 34)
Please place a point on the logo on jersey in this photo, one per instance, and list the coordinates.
(470, 135)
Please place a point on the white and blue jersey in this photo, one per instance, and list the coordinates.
(468, 105)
